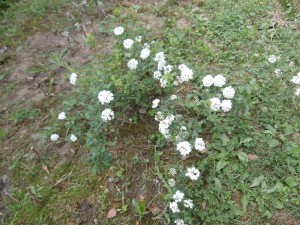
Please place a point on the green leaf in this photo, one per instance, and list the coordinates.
(221, 164)
(243, 157)
(245, 202)
(278, 205)
(291, 182)
(257, 181)
(218, 184)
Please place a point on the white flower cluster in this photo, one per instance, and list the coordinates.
(132, 64)
(273, 58)
(128, 43)
(228, 92)
(73, 138)
(105, 97)
(164, 126)
(73, 78)
(193, 173)
(178, 197)
(157, 75)
(173, 97)
(188, 203)
(172, 171)
(200, 145)
(155, 103)
(145, 53)
(62, 116)
(179, 222)
(296, 80)
(107, 115)
(54, 137)
(138, 39)
(186, 73)
(118, 31)
(171, 182)
(184, 148)
(218, 81)
(278, 72)
(216, 104)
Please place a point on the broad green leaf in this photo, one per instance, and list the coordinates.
(278, 205)
(291, 182)
(277, 187)
(257, 181)
(221, 164)
(243, 157)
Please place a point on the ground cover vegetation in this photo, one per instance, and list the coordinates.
(177, 112)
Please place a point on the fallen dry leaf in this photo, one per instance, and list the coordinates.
(126, 4)
(252, 156)
(111, 213)
(154, 209)
(45, 168)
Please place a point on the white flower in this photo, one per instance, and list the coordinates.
(173, 97)
(145, 53)
(54, 137)
(159, 56)
(157, 75)
(186, 73)
(272, 59)
(226, 105)
(164, 126)
(179, 222)
(128, 43)
(138, 39)
(146, 45)
(163, 82)
(105, 97)
(73, 138)
(184, 148)
(62, 116)
(161, 64)
(174, 207)
(228, 92)
(172, 171)
(178, 196)
(215, 104)
(199, 144)
(73, 78)
(171, 182)
(296, 79)
(278, 72)
(159, 116)
(107, 115)
(132, 64)
(193, 173)
(183, 128)
(188, 203)
(118, 30)
(297, 92)
(168, 69)
(208, 80)
(155, 103)
(219, 80)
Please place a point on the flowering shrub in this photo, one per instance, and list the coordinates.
(205, 118)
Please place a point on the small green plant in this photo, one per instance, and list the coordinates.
(139, 208)
(23, 114)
